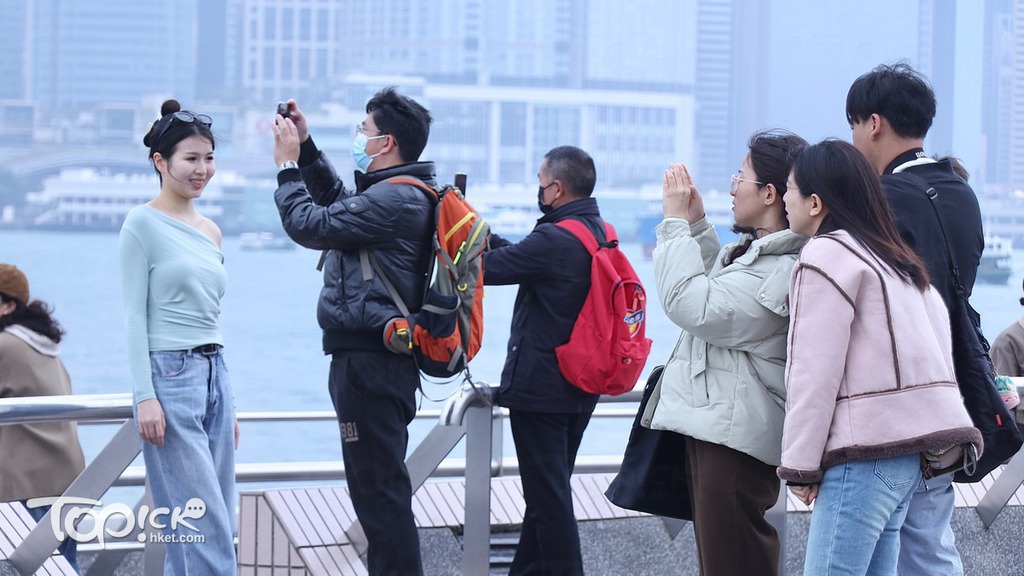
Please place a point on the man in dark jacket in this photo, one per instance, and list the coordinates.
(890, 110)
(547, 414)
(373, 390)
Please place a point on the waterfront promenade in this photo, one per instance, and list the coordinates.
(615, 541)
(468, 509)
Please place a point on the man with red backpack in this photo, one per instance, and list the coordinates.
(548, 414)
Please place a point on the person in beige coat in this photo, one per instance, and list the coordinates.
(1008, 350)
(42, 459)
(723, 387)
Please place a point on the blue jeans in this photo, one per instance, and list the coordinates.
(927, 543)
(855, 524)
(68, 548)
(197, 461)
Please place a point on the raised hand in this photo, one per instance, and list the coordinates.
(680, 198)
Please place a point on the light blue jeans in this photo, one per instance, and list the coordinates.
(927, 543)
(855, 525)
(197, 461)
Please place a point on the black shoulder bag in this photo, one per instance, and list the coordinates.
(652, 477)
(974, 371)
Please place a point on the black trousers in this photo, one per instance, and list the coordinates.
(374, 395)
(546, 446)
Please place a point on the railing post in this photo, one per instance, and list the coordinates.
(476, 537)
(155, 553)
(92, 483)
(1000, 492)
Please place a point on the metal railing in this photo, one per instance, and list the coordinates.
(468, 414)
(467, 409)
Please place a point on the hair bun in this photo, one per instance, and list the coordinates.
(170, 106)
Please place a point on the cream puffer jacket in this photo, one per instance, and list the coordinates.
(724, 382)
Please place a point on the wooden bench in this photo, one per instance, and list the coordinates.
(304, 530)
(15, 524)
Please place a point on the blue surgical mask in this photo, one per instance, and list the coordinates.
(359, 154)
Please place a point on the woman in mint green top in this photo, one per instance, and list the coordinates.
(173, 278)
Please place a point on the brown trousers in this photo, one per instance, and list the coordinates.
(730, 492)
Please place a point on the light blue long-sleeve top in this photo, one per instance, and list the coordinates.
(173, 278)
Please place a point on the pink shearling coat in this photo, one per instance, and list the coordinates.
(870, 370)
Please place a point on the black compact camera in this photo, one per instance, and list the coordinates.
(282, 109)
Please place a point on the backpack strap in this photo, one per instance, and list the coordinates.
(577, 229)
(399, 302)
(363, 260)
(414, 181)
(367, 260)
(933, 195)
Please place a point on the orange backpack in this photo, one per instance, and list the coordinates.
(445, 333)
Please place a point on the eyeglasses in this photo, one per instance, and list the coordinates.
(185, 117)
(734, 182)
(360, 129)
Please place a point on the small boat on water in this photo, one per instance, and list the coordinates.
(265, 241)
(995, 266)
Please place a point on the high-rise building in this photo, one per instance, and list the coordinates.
(498, 134)
(13, 37)
(1002, 96)
(218, 50)
(85, 53)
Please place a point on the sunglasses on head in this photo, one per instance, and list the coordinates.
(185, 117)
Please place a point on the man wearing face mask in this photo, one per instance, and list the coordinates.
(373, 389)
(547, 414)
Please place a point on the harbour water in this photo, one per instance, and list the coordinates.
(273, 342)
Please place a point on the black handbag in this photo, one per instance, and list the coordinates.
(653, 476)
(975, 373)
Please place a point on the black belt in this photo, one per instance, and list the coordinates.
(207, 349)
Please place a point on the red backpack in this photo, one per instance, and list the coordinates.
(607, 349)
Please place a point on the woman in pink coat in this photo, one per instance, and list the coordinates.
(872, 402)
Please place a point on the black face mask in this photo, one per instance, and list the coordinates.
(544, 208)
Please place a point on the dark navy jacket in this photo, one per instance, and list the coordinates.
(552, 269)
(918, 225)
(393, 221)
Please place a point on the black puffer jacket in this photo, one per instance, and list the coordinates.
(393, 221)
(552, 269)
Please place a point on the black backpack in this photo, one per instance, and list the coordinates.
(975, 373)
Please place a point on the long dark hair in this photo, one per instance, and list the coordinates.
(852, 192)
(771, 156)
(36, 316)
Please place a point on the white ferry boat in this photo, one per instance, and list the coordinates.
(90, 199)
(995, 266)
(265, 241)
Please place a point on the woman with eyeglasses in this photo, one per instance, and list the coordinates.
(173, 278)
(723, 387)
(873, 404)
